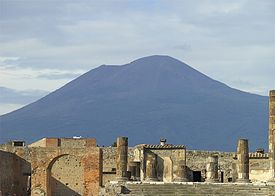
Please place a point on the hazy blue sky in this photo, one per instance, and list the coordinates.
(46, 43)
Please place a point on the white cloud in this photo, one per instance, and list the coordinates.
(220, 7)
(45, 44)
(31, 78)
(4, 59)
(11, 99)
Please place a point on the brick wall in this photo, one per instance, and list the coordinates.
(50, 166)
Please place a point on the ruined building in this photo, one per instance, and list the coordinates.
(77, 166)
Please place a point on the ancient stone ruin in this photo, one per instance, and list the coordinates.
(77, 166)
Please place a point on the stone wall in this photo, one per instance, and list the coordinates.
(14, 174)
(259, 169)
(258, 164)
(109, 162)
(52, 167)
(65, 142)
(166, 161)
(197, 160)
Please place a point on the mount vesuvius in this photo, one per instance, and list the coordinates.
(150, 98)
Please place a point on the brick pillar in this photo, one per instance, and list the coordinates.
(121, 158)
(151, 167)
(243, 161)
(271, 135)
(212, 169)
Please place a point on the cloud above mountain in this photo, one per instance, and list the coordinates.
(11, 99)
(231, 40)
(8, 95)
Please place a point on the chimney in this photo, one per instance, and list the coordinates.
(260, 150)
(162, 141)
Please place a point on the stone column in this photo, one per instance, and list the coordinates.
(121, 158)
(271, 135)
(212, 169)
(180, 169)
(180, 172)
(243, 161)
(151, 167)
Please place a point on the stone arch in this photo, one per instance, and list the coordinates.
(65, 176)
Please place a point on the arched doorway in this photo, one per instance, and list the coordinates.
(66, 176)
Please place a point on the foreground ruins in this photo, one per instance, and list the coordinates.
(77, 166)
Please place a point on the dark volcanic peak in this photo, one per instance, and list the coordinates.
(151, 73)
(167, 64)
(150, 98)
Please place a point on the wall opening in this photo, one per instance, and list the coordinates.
(222, 176)
(196, 176)
(18, 143)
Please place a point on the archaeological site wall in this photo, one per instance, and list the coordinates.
(51, 167)
(14, 174)
(67, 171)
(15, 170)
(109, 163)
(76, 166)
(196, 162)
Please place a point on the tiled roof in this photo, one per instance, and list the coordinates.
(255, 155)
(165, 146)
(258, 155)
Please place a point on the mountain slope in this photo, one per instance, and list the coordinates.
(152, 97)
